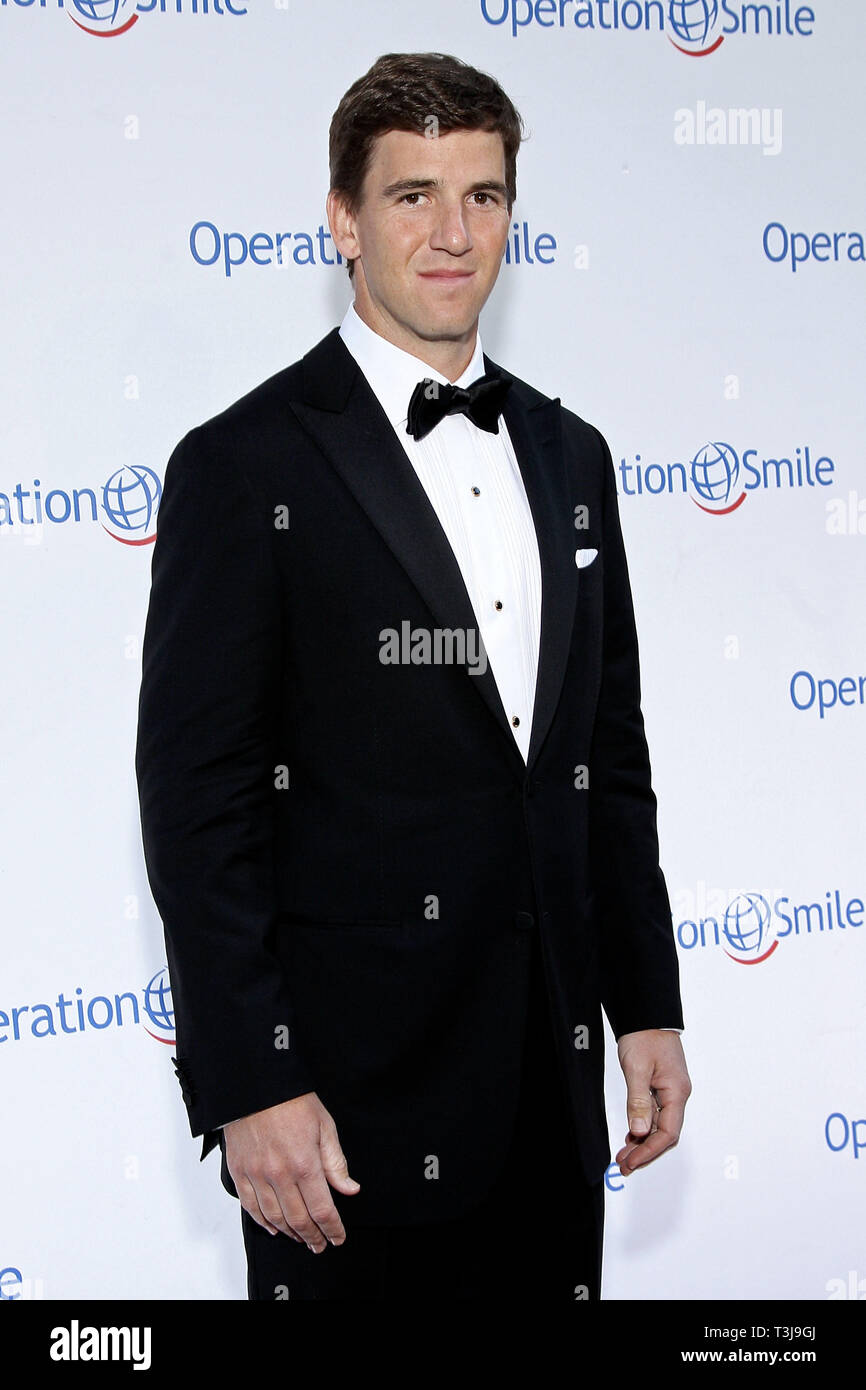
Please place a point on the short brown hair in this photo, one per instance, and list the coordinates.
(402, 91)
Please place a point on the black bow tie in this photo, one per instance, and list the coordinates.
(432, 400)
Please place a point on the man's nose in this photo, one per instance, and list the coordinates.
(450, 231)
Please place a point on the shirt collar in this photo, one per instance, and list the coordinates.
(393, 373)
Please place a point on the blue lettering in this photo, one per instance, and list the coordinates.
(823, 702)
(228, 259)
(267, 245)
(808, 18)
(516, 21)
(777, 226)
(687, 945)
(704, 921)
(109, 1014)
(49, 1031)
(807, 909)
(850, 1131)
(819, 467)
(610, 1172)
(118, 1011)
(490, 20)
(784, 916)
(193, 243)
(836, 1148)
(306, 243)
(799, 239)
(820, 237)
(806, 676)
(778, 465)
(818, 247)
(672, 469)
(828, 692)
(8, 1278)
(758, 11)
(750, 467)
(84, 492)
(57, 492)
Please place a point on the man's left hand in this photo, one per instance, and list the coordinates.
(654, 1067)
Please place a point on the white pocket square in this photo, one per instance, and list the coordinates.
(582, 558)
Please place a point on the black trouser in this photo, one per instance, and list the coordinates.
(537, 1235)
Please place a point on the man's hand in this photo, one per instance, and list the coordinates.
(281, 1161)
(658, 1087)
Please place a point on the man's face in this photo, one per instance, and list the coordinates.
(429, 235)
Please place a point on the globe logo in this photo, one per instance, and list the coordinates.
(108, 17)
(713, 474)
(130, 499)
(693, 22)
(747, 927)
(159, 1007)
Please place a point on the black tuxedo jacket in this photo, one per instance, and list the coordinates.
(349, 857)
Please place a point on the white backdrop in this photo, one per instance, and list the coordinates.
(697, 293)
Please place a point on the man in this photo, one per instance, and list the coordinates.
(395, 790)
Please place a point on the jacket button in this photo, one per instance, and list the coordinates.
(524, 920)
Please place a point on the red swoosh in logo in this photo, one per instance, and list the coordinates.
(105, 33)
(757, 960)
(698, 52)
(722, 511)
(146, 540)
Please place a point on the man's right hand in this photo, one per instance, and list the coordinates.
(281, 1161)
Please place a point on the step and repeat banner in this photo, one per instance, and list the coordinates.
(686, 269)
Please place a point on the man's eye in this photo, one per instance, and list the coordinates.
(410, 195)
(481, 194)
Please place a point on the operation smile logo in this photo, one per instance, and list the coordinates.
(701, 26)
(151, 1008)
(129, 502)
(105, 18)
(108, 19)
(159, 1008)
(696, 28)
(749, 930)
(718, 479)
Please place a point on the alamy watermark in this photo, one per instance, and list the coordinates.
(734, 125)
(437, 646)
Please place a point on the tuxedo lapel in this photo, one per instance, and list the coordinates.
(343, 416)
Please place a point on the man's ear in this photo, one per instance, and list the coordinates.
(342, 224)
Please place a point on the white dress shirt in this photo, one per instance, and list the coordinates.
(474, 484)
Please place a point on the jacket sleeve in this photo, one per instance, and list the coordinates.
(638, 959)
(211, 671)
